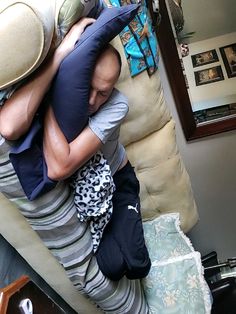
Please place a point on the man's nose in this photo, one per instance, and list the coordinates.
(92, 97)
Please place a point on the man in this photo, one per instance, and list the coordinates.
(122, 250)
(53, 216)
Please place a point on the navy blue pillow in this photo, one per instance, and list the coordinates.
(72, 84)
(70, 99)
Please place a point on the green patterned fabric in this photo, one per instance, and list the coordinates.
(175, 283)
(165, 239)
(71, 11)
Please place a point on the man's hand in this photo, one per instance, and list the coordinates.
(68, 43)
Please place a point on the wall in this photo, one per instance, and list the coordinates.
(211, 164)
(213, 94)
(209, 18)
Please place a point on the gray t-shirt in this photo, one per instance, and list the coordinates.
(105, 123)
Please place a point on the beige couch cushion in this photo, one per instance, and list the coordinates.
(29, 29)
(165, 185)
(148, 133)
(147, 109)
(26, 30)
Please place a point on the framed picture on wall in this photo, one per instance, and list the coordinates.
(209, 75)
(228, 54)
(205, 57)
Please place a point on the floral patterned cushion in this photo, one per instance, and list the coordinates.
(175, 283)
(165, 239)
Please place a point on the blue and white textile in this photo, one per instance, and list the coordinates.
(139, 41)
(93, 190)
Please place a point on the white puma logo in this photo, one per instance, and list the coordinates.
(134, 208)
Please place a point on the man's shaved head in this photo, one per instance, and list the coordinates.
(106, 73)
(109, 58)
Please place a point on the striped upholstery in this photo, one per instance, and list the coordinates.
(54, 218)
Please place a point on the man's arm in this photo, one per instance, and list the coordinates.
(18, 112)
(63, 158)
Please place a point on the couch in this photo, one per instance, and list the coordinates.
(35, 28)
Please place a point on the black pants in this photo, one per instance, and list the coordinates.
(122, 250)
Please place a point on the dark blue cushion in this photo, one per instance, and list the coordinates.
(29, 163)
(69, 98)
(72, 84)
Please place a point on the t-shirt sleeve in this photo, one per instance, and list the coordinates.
(109, 117)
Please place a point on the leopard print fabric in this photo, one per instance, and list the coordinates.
(93, 190)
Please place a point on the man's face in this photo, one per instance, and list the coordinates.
(105, 76)
(100, 91)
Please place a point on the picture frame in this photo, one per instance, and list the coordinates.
(186, 81)
(228, 54)
(205, 57)
(219, 112)
(209, 75)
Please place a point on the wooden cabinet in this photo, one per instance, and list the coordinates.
(24, 289)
